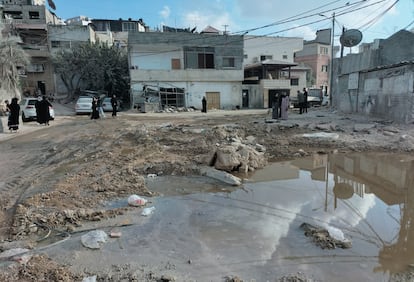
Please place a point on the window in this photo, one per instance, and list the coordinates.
(175, 64)
(129, 26)
(323, 50)
(199, 57)
(284, 57)
(60, 44)
(35, 68)
(228, 62)
(294, 81)
(324, 68)
(266, 57)
(34, 15)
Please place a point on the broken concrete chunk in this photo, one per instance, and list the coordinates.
(221, 176)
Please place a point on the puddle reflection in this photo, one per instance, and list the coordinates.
(370, 195)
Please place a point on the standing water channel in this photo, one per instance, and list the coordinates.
(255, 233)
(209, 231)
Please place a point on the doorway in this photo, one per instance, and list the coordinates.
(213, 100)
(245, 98)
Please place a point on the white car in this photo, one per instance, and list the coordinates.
(83, 105)
(106, 104)
(28, 109)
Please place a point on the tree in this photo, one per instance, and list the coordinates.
(95, 67)
(12, 57)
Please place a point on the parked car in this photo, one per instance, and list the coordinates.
(315, 97)
(28, 109)
(106, 104)
(83, 105)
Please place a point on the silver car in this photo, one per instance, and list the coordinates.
(28, 109)
(83, 105)
(107, 105)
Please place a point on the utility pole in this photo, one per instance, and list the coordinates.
(225, 28)
(332, 57)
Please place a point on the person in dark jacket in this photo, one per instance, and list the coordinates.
(14, 110)
(305, 103)
(114, 104)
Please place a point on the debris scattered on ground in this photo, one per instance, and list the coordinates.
(136, 201)
(323, 239)
(94, 239)
(147, 211)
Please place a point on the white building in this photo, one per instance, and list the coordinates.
(180, 68)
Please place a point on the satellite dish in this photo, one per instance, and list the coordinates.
(351, 37)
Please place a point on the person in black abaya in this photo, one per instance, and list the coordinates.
(204, 103)
(14, 111)
(43, 111)
(95, 112)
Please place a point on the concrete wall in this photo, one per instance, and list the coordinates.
(385, 79)
(255, 95)
(386, 92)
(230, 93)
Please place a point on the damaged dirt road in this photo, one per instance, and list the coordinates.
(59, 182)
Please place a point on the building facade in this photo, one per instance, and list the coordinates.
(179, 69)
(378, 82)
(316, 54)
(270, 70)
(29, 22)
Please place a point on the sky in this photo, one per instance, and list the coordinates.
(286, 18)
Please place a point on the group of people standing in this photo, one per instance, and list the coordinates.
(280, 106)
(303, 101)
(97, 110)
(42, 106)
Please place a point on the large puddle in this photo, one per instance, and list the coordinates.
(254, 232)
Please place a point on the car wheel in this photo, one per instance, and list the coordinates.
(24, 118)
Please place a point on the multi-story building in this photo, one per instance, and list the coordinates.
(28, 19)
(269, 69)
(179, 69)
(316, 54)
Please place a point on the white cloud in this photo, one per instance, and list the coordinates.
(305, 32)
(220, 21)
(165, 12)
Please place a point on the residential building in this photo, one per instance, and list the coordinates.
(316, 54)
(29, 22)
(180, 68)
(115, 32)
(268, 70)
(379, 81)
(66, 37)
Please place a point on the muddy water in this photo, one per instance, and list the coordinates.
(253, 232)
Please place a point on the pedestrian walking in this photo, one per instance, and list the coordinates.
(284, 106)
(275, 107)
(114, 104)
(43, 110)
(305, 106)
(95, 110)
(204, 104)
(14, 111)
(301, 102)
